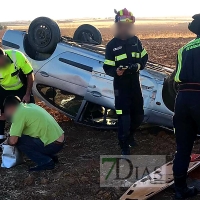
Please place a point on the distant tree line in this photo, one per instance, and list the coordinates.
(2, 27)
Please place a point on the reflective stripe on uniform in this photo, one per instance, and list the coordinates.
(109, 62)
(177, 76)
(191, 44)
(14, 59)
(11, 86)
(144, 52)
(120, 57)
(136, 55)
(119, 112)
(125, 19)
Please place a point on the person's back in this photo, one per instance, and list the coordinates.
(187, 110)
(188, 69)
(37, 123)
(34, 132)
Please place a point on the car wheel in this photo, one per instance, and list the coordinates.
(44, 34)
(88, 34)
(169, 92)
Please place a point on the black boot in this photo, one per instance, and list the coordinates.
(131, 140)
(125, 148)
(182, 191)
(55, 159)
(48, 166)
(136, 121)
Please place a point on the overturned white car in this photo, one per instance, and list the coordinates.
(69, 75)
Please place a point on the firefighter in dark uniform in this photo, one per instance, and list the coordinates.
(16, 78)
(124, 58)
(187, 109)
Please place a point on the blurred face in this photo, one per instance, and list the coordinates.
(9, 112)
(124, 30)
(4, 61)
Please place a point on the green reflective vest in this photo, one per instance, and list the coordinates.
(9, 75)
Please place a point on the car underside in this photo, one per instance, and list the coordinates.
(69, 75)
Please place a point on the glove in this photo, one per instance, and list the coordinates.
(134, 67)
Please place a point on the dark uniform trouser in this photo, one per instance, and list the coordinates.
(187, 124)
(3, 94)
(130, 102)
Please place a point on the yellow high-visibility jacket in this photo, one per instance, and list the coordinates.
(9, 75)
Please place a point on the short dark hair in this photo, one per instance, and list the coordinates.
(11, 101)
(1, 51)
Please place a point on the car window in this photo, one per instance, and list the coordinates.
(65, 101)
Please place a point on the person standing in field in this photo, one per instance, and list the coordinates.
(187, 109)
(16, 78)
(124, 58)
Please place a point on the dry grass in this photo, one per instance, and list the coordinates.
(144, 29)
(1, 34)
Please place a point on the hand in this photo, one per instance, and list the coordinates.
(134, 67)
(120, 72)
(26, 99)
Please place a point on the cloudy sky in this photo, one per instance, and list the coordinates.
(64, 9)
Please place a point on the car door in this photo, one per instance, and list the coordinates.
(100, 88)
(68, 76)
(68, 71)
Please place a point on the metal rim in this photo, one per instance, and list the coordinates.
(42, 35)
(85, 32)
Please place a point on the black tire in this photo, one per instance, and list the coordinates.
(169, 91)
(44, 34)
(92, 32)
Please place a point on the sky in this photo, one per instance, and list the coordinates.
(13, 10)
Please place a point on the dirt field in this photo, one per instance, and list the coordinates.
(161, 39)
(77, 175)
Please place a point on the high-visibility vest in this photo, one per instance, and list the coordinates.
(9, 75)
